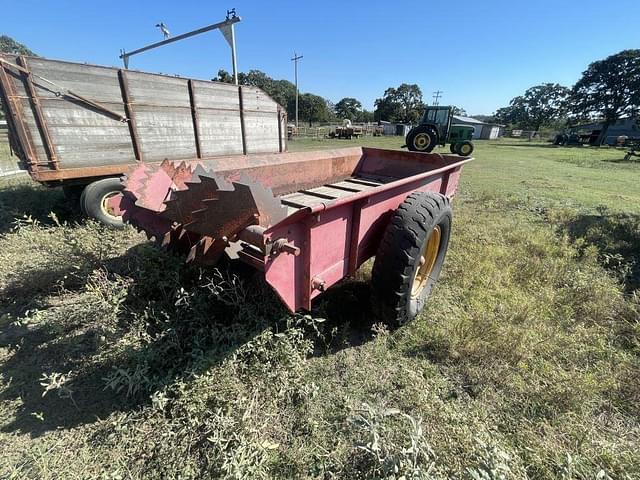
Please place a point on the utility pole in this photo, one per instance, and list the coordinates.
(295, 59)
(436, 97)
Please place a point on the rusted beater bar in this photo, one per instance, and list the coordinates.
(40, 119)
(252, 260)
(242, 127)
(128, 108)
(194, 116)
(16, 118)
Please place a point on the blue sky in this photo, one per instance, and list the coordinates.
(480, 53)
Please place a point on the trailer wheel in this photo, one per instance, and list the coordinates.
(94, 201)
(422, 139)
(453, 148)
(465, 148)
(410, 257)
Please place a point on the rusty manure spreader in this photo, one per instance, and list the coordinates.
(202, 168)
(307, 220)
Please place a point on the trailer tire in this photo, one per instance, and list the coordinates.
(465, 148)
(410, 257)
(94, 197)
(422, 138)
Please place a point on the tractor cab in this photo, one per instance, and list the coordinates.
(440, 117)
(436, 129)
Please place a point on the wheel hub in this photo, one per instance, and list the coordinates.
(421, 141)
(426, 262)
(110, 205)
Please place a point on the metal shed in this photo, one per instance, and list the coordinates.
(483, 130)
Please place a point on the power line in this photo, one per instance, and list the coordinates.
(295, 59)
(436, 97)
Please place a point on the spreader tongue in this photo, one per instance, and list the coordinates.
(189, 209)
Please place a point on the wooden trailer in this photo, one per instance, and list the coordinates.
(82, 126)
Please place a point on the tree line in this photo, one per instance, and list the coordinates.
(401, 104)
(311, 108)
(608, 90)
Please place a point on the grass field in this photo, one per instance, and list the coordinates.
(118, 361)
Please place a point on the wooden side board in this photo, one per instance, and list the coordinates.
(168, 117)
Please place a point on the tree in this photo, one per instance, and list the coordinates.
(312, 108)
(386, 108)
(538, 106)
(486, 118)
(402, 104)
(609, 88)
(365, 116)
(458, 111)
(349, 108)
(9, 45)
(281, 91)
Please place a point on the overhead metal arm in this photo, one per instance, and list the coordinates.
(225, 27)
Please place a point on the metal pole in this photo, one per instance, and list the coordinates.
(295, 59)
(233, 55)
(228, 23)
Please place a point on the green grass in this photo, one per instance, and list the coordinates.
(118, 361)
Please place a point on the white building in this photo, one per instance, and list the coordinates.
(487, 131)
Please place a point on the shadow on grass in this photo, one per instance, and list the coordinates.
(190, 331)
(617, 237)
(527, 145)
(22, 198)
(630, 161)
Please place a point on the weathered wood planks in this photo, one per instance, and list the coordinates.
(168, 117)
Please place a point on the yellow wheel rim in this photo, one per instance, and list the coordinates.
(465, 149)
(427, 260)
(421, 141)
(106, 209)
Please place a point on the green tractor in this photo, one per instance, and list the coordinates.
(436, 129)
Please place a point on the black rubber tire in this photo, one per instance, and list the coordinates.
(465, 148)
(453, 148)
(93, 195)
(398, 256)
(418, 132)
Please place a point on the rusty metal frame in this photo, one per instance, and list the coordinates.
(356, 213)
(15, 119)
(128, 108)
(41, 121)
(194, 117)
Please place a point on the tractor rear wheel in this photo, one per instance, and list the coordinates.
(410, 257)
(95, 201)
(465, 148)
(422, 138)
